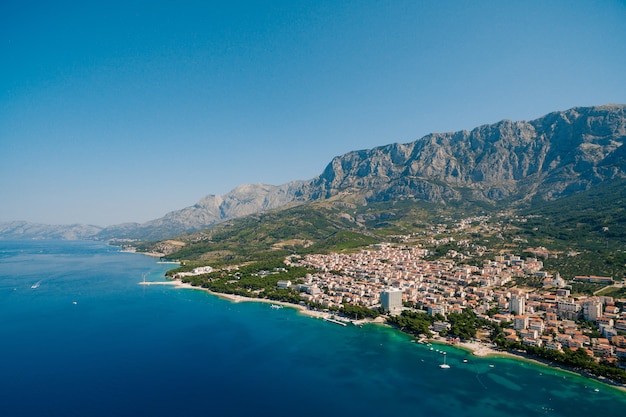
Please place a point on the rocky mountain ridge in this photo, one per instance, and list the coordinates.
(243, 200)
(553, 156)
(508, 162)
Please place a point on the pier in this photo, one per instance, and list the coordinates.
(341, 323)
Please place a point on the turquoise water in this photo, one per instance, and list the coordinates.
(88, 340)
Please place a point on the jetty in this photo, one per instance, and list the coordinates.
(341, 323)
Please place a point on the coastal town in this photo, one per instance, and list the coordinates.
(398, 278)
(438, 273)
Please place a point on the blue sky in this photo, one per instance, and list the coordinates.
(126, 110)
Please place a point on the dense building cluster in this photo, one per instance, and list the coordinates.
(385, 274)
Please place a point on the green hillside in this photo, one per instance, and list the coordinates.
(312, 227)
(588, 228)
(585, 232)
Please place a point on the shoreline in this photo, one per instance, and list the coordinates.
(478, 349)
(177, 283)
(486, 350)
(302, 309)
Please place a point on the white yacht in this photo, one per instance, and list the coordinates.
(444, 365)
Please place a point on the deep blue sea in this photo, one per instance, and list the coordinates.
(88, 340)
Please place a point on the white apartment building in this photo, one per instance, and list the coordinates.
(517, 305)
(592, 309)
(391, 300)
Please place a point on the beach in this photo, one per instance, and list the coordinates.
(177, 283)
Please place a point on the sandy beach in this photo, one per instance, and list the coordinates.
(238, 298)
(481, 349)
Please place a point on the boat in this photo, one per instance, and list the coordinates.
(276, 306)
(36, 285)
(444, 365)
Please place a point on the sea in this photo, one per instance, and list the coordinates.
(79, 336)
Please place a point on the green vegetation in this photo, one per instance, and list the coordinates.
(615, 292)
(588, 228)
(415, 323)
(587, 231)
(274, 235)
(358, 312)
(465, 325)
(585, 288)
(320, 227)
(342, 241)
(256, 279)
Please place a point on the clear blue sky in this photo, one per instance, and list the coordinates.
(126, 110)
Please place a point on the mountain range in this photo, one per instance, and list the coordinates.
(506, 164)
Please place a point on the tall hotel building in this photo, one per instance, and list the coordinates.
(391, 300)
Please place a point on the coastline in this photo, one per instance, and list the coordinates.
(176, 283)
(478, 349)
(485, 350)
(302, 309)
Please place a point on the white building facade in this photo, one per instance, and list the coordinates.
(391, 300)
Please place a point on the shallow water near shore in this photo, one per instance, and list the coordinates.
(80, 337)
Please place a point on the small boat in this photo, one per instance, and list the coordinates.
(36, 285)
(276, 306)
(464, 360)
(444, 365)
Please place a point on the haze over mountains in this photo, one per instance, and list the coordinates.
(506, 163)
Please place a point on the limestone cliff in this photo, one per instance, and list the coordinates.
(556, 155)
